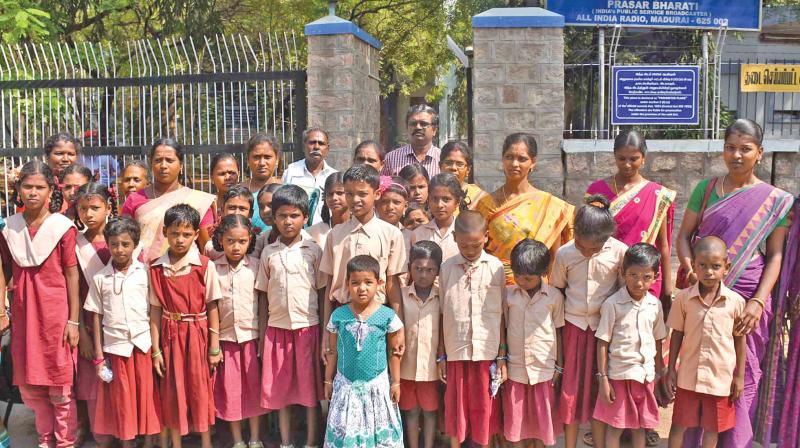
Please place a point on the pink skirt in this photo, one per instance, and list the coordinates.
(85, 380)
(634, 406)
(529, 412)
(292, 371)
(129, 405)
(578, 393)
(469, 410)
(236, 382)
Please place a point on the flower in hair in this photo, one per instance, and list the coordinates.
(386, 182)
(597, 204)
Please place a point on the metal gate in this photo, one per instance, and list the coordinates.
(210, 96)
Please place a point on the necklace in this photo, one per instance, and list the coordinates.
(114, 285)
(616, 189)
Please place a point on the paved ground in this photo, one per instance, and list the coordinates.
(23, 432)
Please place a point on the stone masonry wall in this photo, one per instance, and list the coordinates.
(343, 93)
(518, 86)
(679, 171)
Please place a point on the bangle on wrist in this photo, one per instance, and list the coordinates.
(213, 330)
(214, 351)
(330, 382)
(394, 385)
(441, 358)
(72, 322)
(501, 358)
(504, 347)
(98, 361)
(601, 375)
(156, 354)
(760, 302)
(559, 369)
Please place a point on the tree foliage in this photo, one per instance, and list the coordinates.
(22, 21)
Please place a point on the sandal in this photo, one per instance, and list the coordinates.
(651, 437)
(239, 445)
(588, 439)
(255, 445)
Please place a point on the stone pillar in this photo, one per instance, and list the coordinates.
(343, 85)
(518, 79)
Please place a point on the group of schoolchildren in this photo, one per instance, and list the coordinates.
(234, 333)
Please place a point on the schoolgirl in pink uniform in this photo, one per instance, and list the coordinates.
(290, 278)
(38, 254)
(129, 405)
(589, 270)
(237, 380)
(92, 206)
(534, 313)
(629, 360)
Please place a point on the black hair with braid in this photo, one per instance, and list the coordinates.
(90, 190)
(231, 222)
(35, 167)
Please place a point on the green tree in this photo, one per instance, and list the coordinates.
(23, 21)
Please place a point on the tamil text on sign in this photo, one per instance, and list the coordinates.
(654, 94)
(730, 14)
(770, 78)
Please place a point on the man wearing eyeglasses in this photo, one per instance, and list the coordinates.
(311, 172)
(422, 124)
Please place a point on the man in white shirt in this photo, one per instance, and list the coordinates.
(310, 173)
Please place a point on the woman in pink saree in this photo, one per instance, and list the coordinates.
(147, 206)
(747, 214)
(644, 212)
(643, 209)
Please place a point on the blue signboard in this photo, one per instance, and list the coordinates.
(744, 15)
(654, 94)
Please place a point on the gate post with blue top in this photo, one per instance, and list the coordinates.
(518, 77)
(343, 85)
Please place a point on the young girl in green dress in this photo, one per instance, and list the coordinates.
(363, 410)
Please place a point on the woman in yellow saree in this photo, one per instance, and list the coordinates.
(147, 206)
(518, 210)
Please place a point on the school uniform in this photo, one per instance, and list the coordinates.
(631, 328)
(92, 258)
(130, 404)
(376, 238)
(707, 358)
(471, 295)
(319, 232)
(445, 238)
(419, 378)
(182, 289)
(291, 370)
(237, 381)
(529, 405)
(44, 363)
(586, 282)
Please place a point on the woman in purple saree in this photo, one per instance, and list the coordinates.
(789, 290)
(747, 214)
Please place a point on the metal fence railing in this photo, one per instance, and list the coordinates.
(778, 113)
(210, 96)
